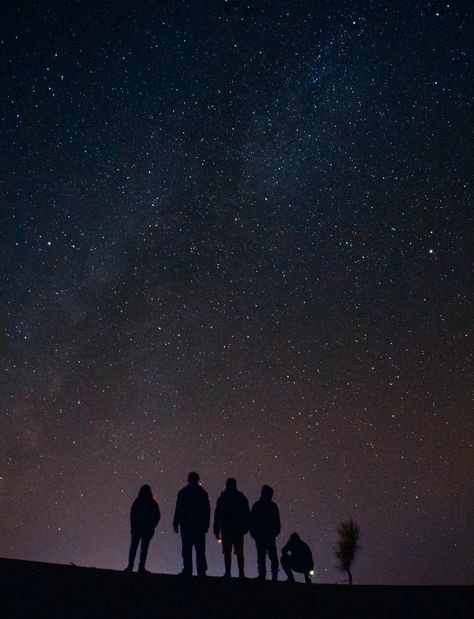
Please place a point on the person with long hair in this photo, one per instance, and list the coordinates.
(144, 516)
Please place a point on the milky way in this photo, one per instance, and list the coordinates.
(235, 240)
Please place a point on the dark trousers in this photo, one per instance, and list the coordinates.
(143, 550)
(236, 541)
(265, 546)
(198, 540)
(290, 565)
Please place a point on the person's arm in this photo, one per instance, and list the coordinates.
(217, 518)
(252, 521)
(277, 521)
(177, 514)
(246, 515)
(208, 512)
(157, 514)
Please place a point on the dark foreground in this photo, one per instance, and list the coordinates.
(33, 590)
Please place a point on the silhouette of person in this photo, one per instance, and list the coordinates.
(231, 523)
(192, 517)
(264, 528)
(144, 516)
(297, 557)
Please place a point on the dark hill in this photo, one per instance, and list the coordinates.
(34, 590)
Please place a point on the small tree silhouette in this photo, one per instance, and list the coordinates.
(347, 545)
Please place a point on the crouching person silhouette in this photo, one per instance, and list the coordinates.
(144, 516)
(297, 557)
(264, 528)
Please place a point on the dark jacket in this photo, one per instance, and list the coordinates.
(264, 520)
(144, 516)
(300, 553)
(193, 511)
(232, 515)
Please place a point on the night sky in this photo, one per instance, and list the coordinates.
(234, 239)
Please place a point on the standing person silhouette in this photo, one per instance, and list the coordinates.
(144, 516)
(231, 523)
(192, 517)
(264, 528)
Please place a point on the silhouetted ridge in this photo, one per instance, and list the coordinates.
(34, 590)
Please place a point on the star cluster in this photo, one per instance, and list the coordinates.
(235, 240)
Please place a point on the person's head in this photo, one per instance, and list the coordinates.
(193, 478)
(294, 538)
(267, 493)
(145, 493)
(231, 484)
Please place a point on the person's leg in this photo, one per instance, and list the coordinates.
(187, 553)
(239, 552)
(132, 552)
(272, 555)
(143, 553)
(227, 550)
(200, 545)
(285, 562)
(261, 555)
(302, 568)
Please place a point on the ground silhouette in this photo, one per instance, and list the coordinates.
(29, 589)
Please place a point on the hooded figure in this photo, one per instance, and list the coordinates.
(231, 523)
(297, 557)
(144, 516)
(264, 528)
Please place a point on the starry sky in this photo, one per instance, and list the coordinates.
(234, 239)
